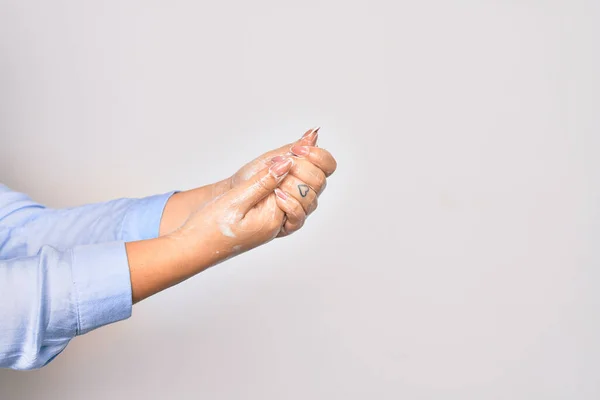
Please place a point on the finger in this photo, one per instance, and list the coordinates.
(310, 174)
(308, 139)
(265, 216)
(268, 158)
(295, 215)
(282, 233)
(303, 193)
(247, 195)
(319, 157)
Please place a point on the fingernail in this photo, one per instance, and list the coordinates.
(312, 131)
(281, 168)
(311, 136)
(277, 159)
(281, 194)
(300, 150)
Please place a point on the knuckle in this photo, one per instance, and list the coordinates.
(312, 206)
(299, 224)
(298, 211)
(282, 233)
(326, 161)
(323, 186)
(321, 182)
(263, 184)
(333, 165)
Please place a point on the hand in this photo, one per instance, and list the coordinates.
(239, 220)
(247, 171)
(299, 192)
(296, 201)
(242, 218)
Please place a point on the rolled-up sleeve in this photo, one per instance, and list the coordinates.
(26, 226)
(47, 299)
(142, 218)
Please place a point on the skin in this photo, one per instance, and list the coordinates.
(267, 198)
(311, 169)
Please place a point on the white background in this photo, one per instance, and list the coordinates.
(455, 252)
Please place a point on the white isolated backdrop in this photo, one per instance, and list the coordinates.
(455, 252)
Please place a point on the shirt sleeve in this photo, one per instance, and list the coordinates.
(48, 298)
(26, 226)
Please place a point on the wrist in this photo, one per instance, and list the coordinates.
(182, 204)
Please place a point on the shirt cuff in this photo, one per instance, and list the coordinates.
(142, 220)
(102, 285)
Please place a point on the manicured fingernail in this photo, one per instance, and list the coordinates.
(300, 150)
(281, 194)
(312, 132)
(281, 168)
(277, 159)
(311, 136)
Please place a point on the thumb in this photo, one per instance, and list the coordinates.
(263, 183)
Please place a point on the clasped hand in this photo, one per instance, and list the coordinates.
(269, 197)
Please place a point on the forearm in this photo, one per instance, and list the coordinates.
(157, 264)
(182, 204)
